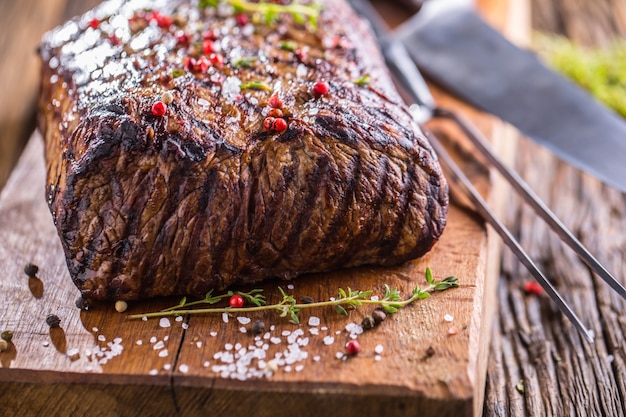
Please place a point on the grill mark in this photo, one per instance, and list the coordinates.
(339, 218)
(307, 206)
(188, 278)
(381, 186)
(391, 242)
(223, 238)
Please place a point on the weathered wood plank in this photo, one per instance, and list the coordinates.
(562, 375)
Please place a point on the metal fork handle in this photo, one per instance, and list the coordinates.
(489, 216)
(531, 198)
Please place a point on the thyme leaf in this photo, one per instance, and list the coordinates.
(288, 307)
(271, 12)
(256, 85)
(363, 81)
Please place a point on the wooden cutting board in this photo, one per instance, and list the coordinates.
(100, 363)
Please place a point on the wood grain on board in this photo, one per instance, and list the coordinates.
(101, 363)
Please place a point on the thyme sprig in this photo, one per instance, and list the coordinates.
(346, 300)
(271, 12)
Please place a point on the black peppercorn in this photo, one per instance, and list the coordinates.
(258, 327)
(53, 320)
(31, 270)
(82, 303)
(307, 300)
(7, 335)
(368, 323)
(379, 316)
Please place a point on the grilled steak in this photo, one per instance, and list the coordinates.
(191, 148)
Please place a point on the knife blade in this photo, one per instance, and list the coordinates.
(456, 49)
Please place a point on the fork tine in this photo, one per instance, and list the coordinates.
(532, 199)
(507, 237)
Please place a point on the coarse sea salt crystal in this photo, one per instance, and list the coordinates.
(379, 349)
(73, 353)
(95, 329)
(301, 71)
(290, 286)
(163, 353)
(314, 321)
(244, 320)
(183, 368)
(179, 318)
(144, 318)
(213, 334)
(139, 342)
(339, 355)
(448, 317)
(317, 358)
(164, 322)
(153, 339)
(225, 317)
(153, 372)
(159, 345)
(102, 338)
(206, 364)
(167, 366)
(199, 344)
(377, 358)
(329, 340)
(275, 340)
(314, 331)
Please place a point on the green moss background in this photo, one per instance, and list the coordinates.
(601, 71)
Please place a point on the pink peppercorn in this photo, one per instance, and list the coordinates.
(94, 23)
(236, 301)
(275, 101)
(532, 287)
(280, 125)
(159, 109)
(183, 38)
(217, 60)
(242, 19)
(353, 347)
(320, 88)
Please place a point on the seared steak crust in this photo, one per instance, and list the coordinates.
(212, 193)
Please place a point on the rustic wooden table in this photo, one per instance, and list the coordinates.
(538, 365)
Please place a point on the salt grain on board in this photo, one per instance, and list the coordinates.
(329, 340)
(163, 353)
(183, 368)
(244, 320)
(164, 322)
(448, 317)
(225, 317)
(314, 321)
